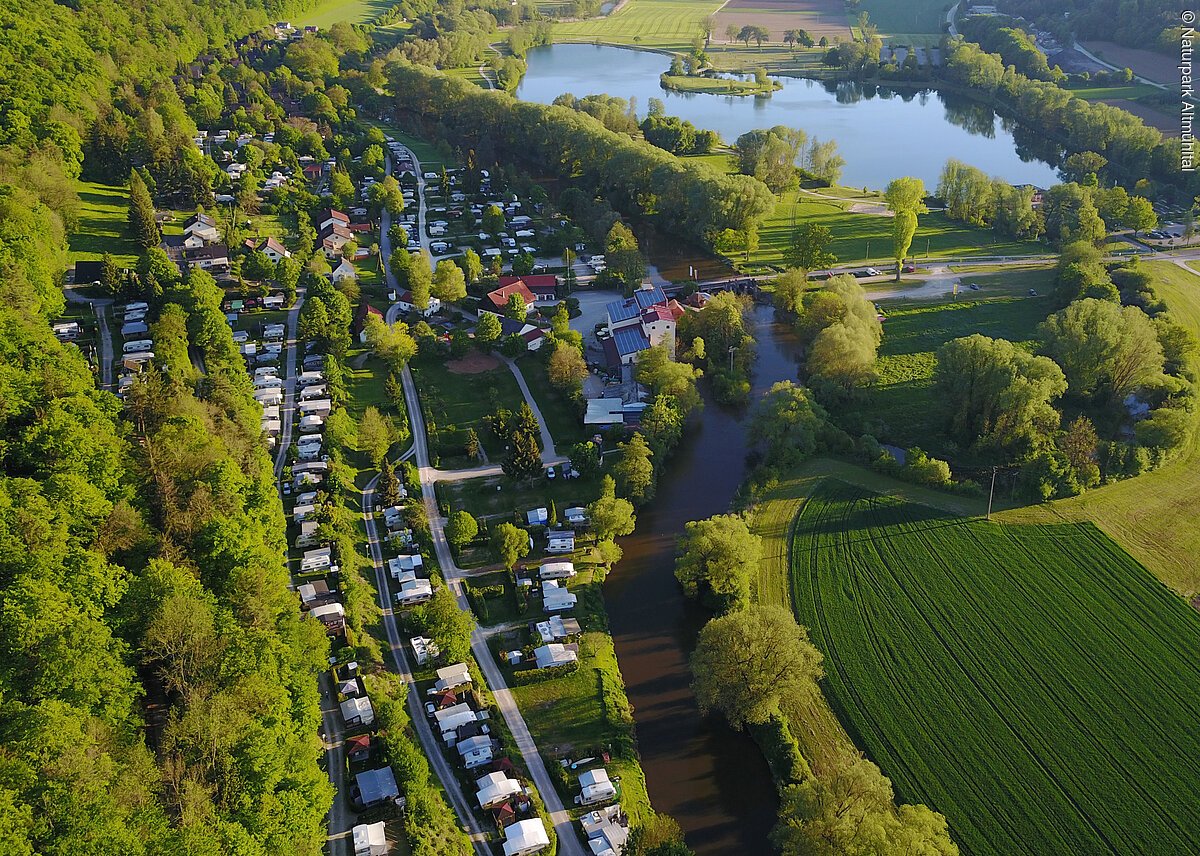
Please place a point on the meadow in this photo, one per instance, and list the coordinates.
(663, 24)
(330, 12)
(1032, 683)
(453, 403)
(102, 225)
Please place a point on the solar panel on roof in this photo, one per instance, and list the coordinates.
(630, 341)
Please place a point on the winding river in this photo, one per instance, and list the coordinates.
(712, 780)
(882, 133)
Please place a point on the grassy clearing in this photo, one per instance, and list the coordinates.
(1102, 93)
(1152, 516)
(330, 12)
(499, 497)
(454, 403)
(561, 413)
(1034, 684)
(860, 238)
(903, 399)
(431, 156)
(102, 224)
(664, 24)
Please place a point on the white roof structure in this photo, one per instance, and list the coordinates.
(555, 598)
(475, 751)
(556, 570)
(329, 610)
(556, 628)
(358, 711)
(450, 677)
(575, 514)
(404, 564)
(375, 786)
(596, 786)
(414, 591)
(604, 411)
(495, 788)
(424, 649)
(606, 830)
(450, 719)
(370, 839)
(525, 836)
(554, 654)
(537, 516)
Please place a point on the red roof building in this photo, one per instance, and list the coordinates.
(497, 300)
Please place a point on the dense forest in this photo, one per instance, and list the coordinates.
(157, 686)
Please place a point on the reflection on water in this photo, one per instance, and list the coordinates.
(881, 132)
(712, 780)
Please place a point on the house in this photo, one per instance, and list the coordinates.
(556, 629)
(560, 542)
(537, 516)
(358, 325)
(606, 830)
(606, 411)
(556, 570)
(358, 748)
(208, 257)
(576, 515)
(413, 592)
(357, 711)
(497, 301)
(376, 786)
(332, 615)
(407, 306)
(534, 336)
(370, 839)
(452, 677)
(475, 751)
(556, 598)
(643, 320)
(334, 238)
(495, 788)
(543, 287)
(405, 566)
(201, 227)
(344, 270)
(274, 250)
(526, 836)
(424, 649)
(595, 787)
(555, 654)
(328, 217)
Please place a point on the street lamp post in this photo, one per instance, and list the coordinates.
(732, 348)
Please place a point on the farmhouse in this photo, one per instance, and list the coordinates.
(333, 238)
(329, 216)
(272, 249)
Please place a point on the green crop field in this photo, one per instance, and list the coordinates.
(1032, 683)
(907, 21)
(666, 24)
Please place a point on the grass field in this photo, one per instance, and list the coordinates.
(903, 399)
(330, 12)
(907, 21)
(1034, 684)
(664, 24)
(937, 236)
(102, 224)
(1152, 516)
(456, 402)
(1103, 93)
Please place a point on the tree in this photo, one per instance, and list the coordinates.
(448, 626)
(509, 544)
(256, 266)
(585, 459)
(664, 376)
(449, 283)
(843, 355)
(634, 471)
(392, 343)
(472, 266)
(420, 282)
(110, 275)
(822, 160)
(770, 155)
(809, 249)
(399, 263)
(376, 433)
(523, 460)
(717, 559)
(389, 486)
(731, 33)
(493, 220)
(487, 331)
(1079, 444)
(1140, 215)
(997, 397)
(515, 307)
(566, 369)
(1103, 347)
(610, 515)
(751, 664)
(461, 529)
(905, 198)
(623, 257)
(287, 275)
(786, 425)
(143, 227)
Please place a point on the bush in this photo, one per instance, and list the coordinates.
(774, 738)
(536, 676)
(919, 468)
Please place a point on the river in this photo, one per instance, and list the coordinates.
(712, 780)
(882, 133)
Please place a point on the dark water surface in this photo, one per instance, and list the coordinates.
(714, 781)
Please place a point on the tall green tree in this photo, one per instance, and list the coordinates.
(143, 228)
(509, 544)
(634, 471)
(717, 559)
(610, 515)
(523, 460)
(905, 198)
(809, 249)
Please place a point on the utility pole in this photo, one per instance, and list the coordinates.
(868, 250)
(732, 348)
(991, 493)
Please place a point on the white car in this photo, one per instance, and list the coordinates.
(873, 272)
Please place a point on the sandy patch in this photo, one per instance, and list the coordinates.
(474, 363)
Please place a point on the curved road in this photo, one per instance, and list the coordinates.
(99, 307)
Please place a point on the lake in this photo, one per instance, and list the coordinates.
(882, 133)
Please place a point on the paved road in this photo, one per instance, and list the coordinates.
(100, 310)
(430, 742)
(568, 841)
(340, 818)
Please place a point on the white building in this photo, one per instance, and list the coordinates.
(554, 654)
(495, 788)
(595, 786)
(357, 711)
(555, 598)
(369, 839)
(525, 836)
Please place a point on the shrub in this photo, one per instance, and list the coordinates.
(536, 676)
